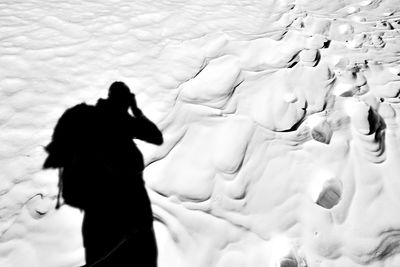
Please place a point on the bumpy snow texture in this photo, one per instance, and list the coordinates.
(280, 121)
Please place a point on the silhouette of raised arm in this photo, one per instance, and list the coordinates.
(143, 128)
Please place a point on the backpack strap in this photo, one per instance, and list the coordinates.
(60, 187)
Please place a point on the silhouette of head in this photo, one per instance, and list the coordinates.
(120, 95)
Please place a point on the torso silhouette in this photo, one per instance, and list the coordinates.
(119, 204)
(120, 163)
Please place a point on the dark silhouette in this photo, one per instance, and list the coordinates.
(101, 173)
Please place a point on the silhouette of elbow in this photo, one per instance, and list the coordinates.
(158, 140)
(147, 131)
(154, 135)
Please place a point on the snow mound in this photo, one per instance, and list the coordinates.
(279, 119)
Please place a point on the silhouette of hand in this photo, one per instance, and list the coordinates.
(133, 104)
(135, 110)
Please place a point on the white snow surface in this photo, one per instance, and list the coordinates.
(280, 121)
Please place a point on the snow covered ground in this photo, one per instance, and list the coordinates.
(280, 121)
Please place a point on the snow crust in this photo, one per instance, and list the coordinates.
(280, 121)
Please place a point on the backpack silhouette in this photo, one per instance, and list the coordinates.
(71, 150)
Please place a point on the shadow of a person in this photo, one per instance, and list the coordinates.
(117, 227)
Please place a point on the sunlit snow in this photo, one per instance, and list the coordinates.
(279, 119)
